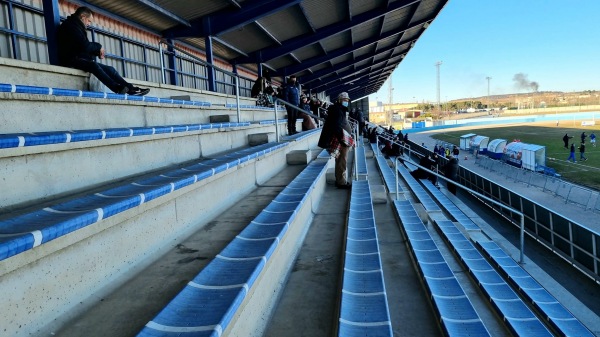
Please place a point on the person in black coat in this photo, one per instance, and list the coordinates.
(292, 96)
(76, 51)
(451, 172)
(334, 124)
(566, 140)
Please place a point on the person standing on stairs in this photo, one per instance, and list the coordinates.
(336, 138)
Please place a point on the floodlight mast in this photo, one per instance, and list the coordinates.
(438, 64)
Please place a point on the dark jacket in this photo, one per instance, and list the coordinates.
(73, 43)
(335, 122)
(451, 169)
(292, 94)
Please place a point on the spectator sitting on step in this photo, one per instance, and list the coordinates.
(76, 51)
(427, 163)
(259, 87)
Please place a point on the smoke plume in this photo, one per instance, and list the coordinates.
(522, 82)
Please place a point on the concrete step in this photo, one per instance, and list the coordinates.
(71, 267)
(36, 174)
(127, 306)
(37, 74)
(39, 112)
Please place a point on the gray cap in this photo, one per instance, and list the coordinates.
(343, 95)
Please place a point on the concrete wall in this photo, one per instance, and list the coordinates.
(40, 173)
(43, 75)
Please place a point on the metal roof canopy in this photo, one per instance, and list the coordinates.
(331, 45)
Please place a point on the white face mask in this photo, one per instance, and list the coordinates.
(345, 103)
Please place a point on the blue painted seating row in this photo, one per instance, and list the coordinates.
(324, 155)
(301, 135)
(364, 307)
(250, 106)
(27, 89)
(272, 121)
(513, 310)
(59, 137)
(561, 319)
(456, 312)
(424, 198)
(361, 160)
(207, 304)
(375, 149)
(446, 203)
(387, 172)
(29, 230)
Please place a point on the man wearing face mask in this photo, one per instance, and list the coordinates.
(336, 138)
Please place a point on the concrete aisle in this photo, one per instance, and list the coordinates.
(308, 304)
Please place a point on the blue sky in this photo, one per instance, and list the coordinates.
(555, 43)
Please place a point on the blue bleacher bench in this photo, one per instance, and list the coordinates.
(458, 215)
(424, 198)
(456, 312)
(513, 310)
(30, 230)
(387, 172)
(364, 308)
(561, 319)
(59, 137)
(26, 89)
(206, 306)
(361, 161)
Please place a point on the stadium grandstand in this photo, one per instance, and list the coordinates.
(189, 210)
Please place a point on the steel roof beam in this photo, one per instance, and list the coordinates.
(344, 85)
(310, 24)
(228, 20)
(228, 45)
(264, 30)
(235, 3)
(345, 50)
(351, 72)
(320, 73)
(165, 12)
(352, 91)
(292, 44)
(356, 78)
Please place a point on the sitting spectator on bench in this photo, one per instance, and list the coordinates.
(76, 51)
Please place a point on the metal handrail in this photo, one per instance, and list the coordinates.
(354, 125)
(519, 213)
(513, 210)
(279, 100)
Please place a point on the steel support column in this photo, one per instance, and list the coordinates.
(209, 59)
(51, 22)
(172, 59)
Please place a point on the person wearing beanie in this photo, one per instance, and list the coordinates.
(336, 138)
